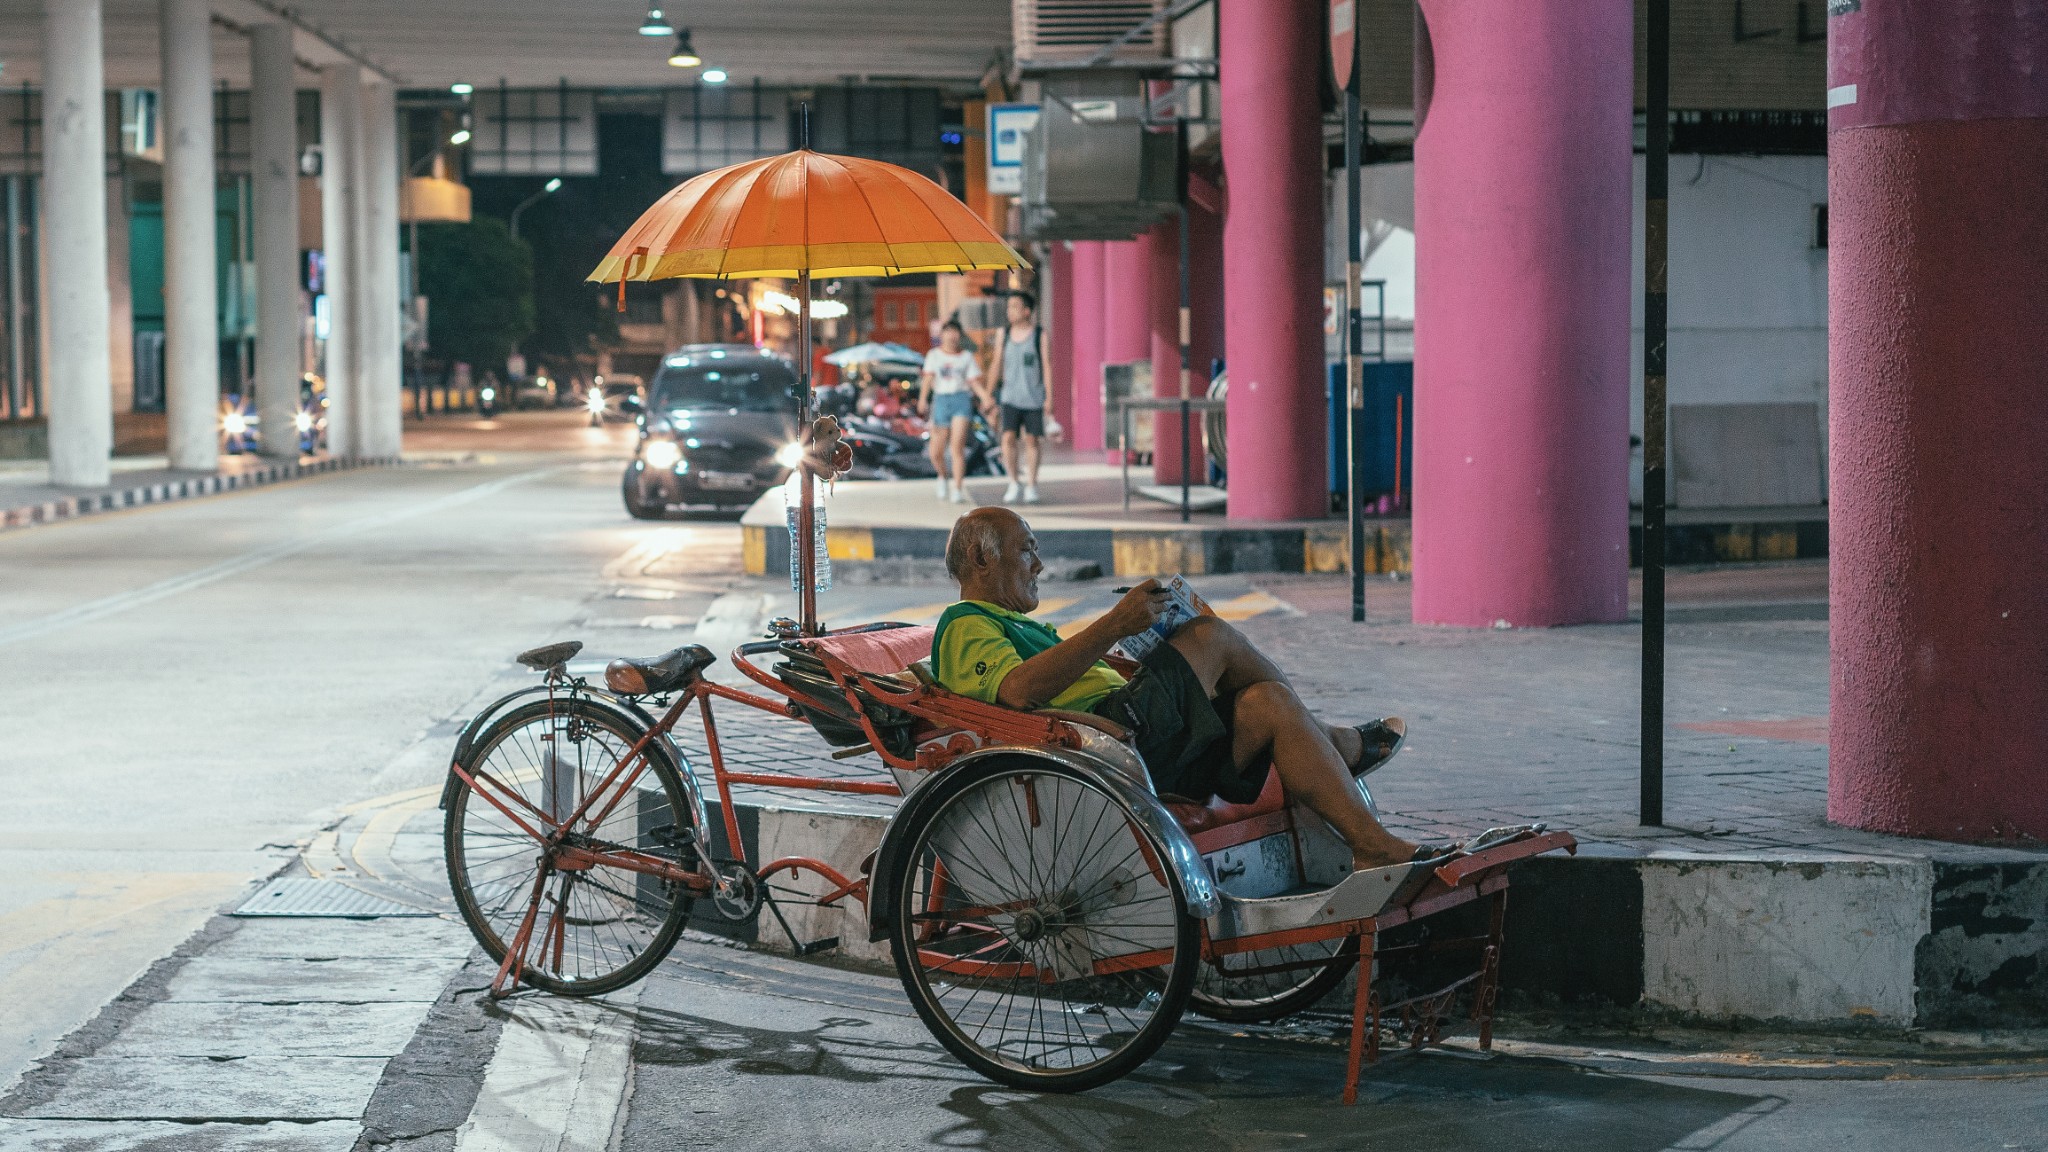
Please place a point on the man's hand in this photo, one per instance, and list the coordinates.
(1139, 609)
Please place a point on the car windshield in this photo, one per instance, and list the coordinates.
(746, 385)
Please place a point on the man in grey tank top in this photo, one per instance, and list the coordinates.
(1021, 395)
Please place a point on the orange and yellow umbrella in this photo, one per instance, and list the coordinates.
(805, 213)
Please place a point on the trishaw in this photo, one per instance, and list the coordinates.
(1050, 916)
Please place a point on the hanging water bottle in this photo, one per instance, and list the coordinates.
(792, 496)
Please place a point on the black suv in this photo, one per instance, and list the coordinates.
(719, 429)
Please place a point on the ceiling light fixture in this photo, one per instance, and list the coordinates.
(714, 76)
(685, 53)
(655, 25)
(461, 137)
(461, 89)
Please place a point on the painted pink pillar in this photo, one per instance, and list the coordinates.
(1938, 427)
(1166, 357)
(1056, 315)
(1085, 430)
(1205, 291)
(1126, 309)
(1273, 255)
(1523, 198)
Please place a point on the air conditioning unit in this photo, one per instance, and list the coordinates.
(1078, 29)
(1094, 170)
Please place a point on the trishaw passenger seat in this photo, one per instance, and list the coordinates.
(882, 653)
(1221, 813)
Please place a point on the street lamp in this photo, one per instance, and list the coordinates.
(547, 190)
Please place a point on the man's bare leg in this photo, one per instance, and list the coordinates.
(1270, 716)
(1271, 719)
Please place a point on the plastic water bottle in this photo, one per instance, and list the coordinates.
(792, 511)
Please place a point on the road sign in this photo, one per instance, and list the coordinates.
(1343, 40)
(1009, 125)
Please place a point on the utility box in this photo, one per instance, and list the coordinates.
(1385, 430)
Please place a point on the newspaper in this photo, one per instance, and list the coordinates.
(1183, 606)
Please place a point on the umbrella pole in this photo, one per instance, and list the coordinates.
(807, 511)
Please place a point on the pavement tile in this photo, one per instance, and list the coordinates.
(187, 1028)
(258, 979)
(298, 938)
(93, 1136)
(253, 1088)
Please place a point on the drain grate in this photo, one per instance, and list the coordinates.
(302, 896)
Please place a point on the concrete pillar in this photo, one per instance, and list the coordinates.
(1273, 254)
(1163, 298)
(274, 162)
(1522, 332)
(1056, 314)
(1126, 312)
(1086, 427)
(76, 364)
(120, 301)
(381, 370)
(341, 95)
(191, 328)
(1205, 292)
(1938, 434)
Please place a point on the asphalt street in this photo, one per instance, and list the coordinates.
(205, 694)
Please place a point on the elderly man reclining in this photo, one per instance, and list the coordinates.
(1211, 714)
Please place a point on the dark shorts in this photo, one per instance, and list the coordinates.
(1183, 736)
(1031, 420)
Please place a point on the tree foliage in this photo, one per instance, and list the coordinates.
(479, 281)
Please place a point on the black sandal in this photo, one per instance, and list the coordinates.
(1381, 739)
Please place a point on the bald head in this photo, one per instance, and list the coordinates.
(994, 556)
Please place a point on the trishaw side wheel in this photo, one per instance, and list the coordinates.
(1039, 932)
(589, 929)
(1259, 987)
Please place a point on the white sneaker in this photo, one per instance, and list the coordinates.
(959, 495)
(1031, 493)
(1011, 493)
(945, 489)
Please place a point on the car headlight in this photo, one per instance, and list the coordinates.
(661, 453)
(789, 455)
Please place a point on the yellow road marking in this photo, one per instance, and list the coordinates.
(391, 798)
(380, 835)
(1251, 604)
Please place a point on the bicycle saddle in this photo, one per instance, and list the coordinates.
(664, 673)
(548, 655)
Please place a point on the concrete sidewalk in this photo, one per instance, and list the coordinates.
(1083, 522)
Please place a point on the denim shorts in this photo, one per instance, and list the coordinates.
(949, 406)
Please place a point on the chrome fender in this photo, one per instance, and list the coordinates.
(1136, 799)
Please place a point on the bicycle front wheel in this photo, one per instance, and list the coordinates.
(591, 927)
(1039, 933)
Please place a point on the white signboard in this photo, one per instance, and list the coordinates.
(1009, 126)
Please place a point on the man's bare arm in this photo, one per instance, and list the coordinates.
(1035, 682)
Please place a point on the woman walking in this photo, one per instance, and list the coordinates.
(947, 396)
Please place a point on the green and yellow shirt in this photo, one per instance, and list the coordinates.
(976, 644)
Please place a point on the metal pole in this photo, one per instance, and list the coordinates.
(412, 275)
(807, 511)
(1656, 192)
(1186, 323)
(1354, 332)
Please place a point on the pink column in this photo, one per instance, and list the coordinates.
(1085, 430)
(1166, 357)
(1522, 207)
(1938, 427)
(1273, 254)
(1057, 317)
(1126, 309)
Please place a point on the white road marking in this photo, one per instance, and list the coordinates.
(120, 602)
(557, 1082)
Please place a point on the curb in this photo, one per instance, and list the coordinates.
(72, 507)
(1319, 548)
(1800, 938)
(1117, 551)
